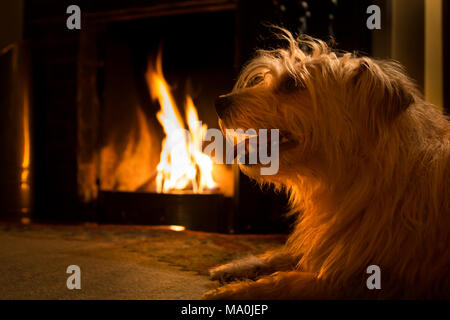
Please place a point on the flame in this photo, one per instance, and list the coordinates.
(25, 170)
(197, 132)
(182, 164)
(24, 181)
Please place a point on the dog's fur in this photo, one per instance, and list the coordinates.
(369, 176)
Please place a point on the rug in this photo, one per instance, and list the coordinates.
(118, 262)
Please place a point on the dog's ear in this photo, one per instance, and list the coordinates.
(385, 87)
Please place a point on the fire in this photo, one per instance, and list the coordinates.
(24, 181)
(25, 172)
(182, 163)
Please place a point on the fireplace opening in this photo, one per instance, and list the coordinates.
(156, 98)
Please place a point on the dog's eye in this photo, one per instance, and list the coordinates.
(256, 80)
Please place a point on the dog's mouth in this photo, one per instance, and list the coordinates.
(246, 144)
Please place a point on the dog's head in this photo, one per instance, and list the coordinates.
(328, 106)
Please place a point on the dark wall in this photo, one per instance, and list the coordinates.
(344, 22)
(54, 51)
(11, 21)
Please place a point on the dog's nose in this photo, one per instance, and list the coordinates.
(222, 104)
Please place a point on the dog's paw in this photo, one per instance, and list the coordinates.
(231, 291)
(248, 268)
(224, 274)
(214, 294)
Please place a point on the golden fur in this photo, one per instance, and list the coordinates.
(369, 177)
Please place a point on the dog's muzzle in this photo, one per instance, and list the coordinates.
(223, 104)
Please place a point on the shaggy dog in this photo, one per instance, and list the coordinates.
(366, 163)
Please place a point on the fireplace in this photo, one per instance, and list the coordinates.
(96, 137)
(155, 80)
